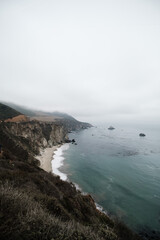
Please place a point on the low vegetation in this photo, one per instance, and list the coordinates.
(35, 204)
(7, 112)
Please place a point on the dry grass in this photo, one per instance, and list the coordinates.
(19, 118)
(35, 204)
(45, 118)
(24, 218)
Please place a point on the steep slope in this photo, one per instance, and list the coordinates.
(21, 109)
(37, 205)
(7, 112)
(61, 118)
(25, 139)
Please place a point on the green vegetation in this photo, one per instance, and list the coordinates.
(7, 112)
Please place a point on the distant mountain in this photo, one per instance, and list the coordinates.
(7, 112)
(23, 110)
(61, 118)
(34, 113)
(61, 115)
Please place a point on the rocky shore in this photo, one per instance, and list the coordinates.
(35, 204)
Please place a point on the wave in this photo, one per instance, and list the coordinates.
(57, 161)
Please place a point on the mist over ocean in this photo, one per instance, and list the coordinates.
(120, 170)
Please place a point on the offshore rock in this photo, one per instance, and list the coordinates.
(142, 135)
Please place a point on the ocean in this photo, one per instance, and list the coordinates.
(120, 169)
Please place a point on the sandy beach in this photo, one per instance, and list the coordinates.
(45, 158)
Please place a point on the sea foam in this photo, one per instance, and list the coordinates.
(57, 161)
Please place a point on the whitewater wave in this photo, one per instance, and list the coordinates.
(57, 161)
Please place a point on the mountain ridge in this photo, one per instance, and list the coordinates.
(61, 118)
(7, 112)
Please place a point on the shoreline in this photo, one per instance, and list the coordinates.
(46, 156)
(57, 161)
(52, 159)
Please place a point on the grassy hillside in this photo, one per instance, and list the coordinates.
(7, 112)
(21, 109)
(37, 205)
(61, 118)
(30, 112)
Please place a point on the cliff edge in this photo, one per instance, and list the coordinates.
(35, 204)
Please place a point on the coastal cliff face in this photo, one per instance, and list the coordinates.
(73, 125)
(25, 139)
(35, 204)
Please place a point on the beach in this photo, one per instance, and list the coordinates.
(57, 161)
(45, 158)
(51, 159)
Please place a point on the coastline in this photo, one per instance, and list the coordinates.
(51, 160)
(57, 161)
(46, 156)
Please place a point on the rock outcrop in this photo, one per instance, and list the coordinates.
(24, 140)
(142, 135)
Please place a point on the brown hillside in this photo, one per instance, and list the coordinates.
(19, 118)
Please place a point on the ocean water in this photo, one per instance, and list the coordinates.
(120, 170)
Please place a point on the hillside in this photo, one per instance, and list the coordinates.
(61, 118)
(7, 112)
(21, 109)
(35, 204)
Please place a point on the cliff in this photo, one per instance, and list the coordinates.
(24, 140)
(35, 204)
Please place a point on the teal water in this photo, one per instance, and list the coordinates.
(120, 170)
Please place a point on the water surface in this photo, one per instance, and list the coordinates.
(120, 170)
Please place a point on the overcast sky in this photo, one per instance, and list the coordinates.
(94, 59)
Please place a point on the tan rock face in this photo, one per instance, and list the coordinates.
(27, 138)
(42, 134)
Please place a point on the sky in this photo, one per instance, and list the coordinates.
(98, 60)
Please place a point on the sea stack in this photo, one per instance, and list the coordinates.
(142, 135)
(111, 128)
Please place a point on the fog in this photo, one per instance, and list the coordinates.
(97, 60)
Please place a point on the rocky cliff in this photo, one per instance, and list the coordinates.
(24, 140)
(35, 204)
